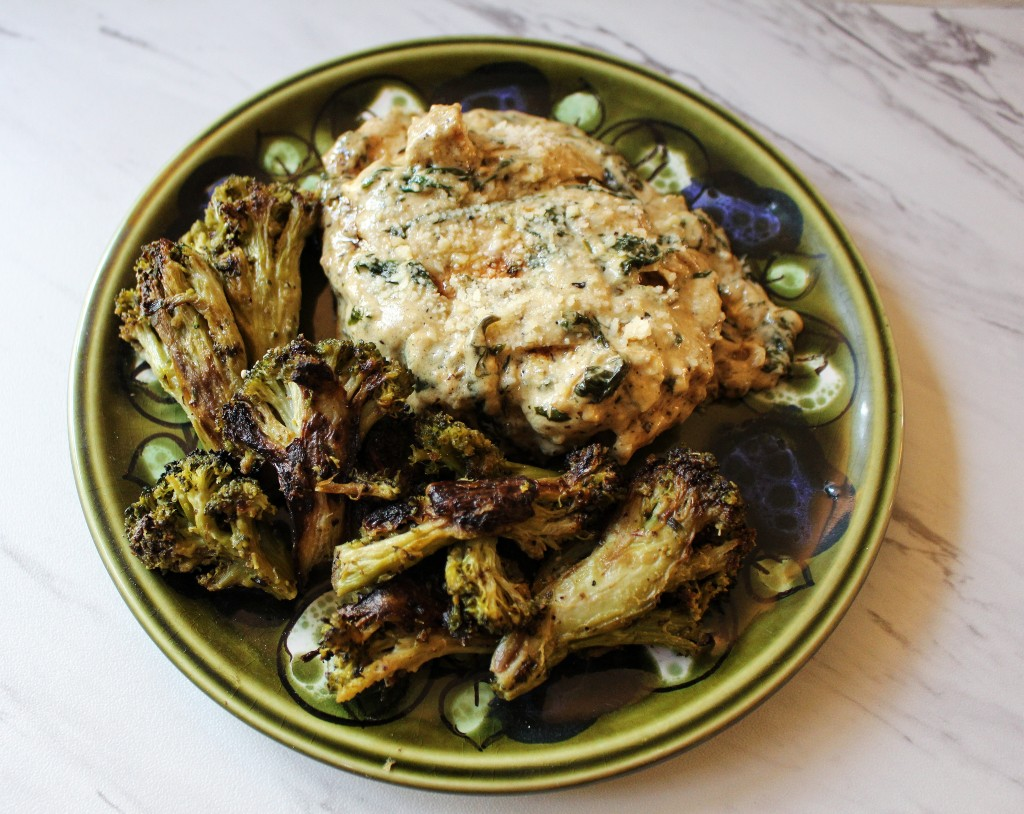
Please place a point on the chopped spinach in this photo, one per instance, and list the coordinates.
(552, 414)
(418, 179)
(580, 325)
(599, 382)
(418, 273)
(637, 252)
(385, 269)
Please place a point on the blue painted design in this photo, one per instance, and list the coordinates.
(798, 502)
(758, 220)
(499, 86)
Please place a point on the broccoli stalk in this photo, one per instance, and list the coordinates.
(305, 409)
(672, 627)
(403, 624)
(203, 517)
(681, 526)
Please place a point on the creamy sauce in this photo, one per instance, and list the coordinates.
(519, 267)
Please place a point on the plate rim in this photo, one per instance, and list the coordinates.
(752, 693)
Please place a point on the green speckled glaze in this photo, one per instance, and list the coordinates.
(830, 439)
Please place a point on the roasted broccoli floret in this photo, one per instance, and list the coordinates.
(205, 307)
(486, 589)
(203, 517)
(681, 528)
(254, 234)
(569, 506)
(444, 443)
(565, 503)
(449, 511)
(538, 514)
(179, 320)
(305, 409)
(396, 629)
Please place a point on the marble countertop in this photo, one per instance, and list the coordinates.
(910, 122)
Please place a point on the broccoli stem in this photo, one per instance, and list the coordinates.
(359, 565)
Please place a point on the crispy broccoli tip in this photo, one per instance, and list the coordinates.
(681, 532)
(569, 506)
(305, 409)
(203, 518)
(254, 234)
(566, 503)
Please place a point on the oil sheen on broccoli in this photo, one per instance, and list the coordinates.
(525, 593)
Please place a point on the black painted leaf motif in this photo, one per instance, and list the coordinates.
(467, 709)
(773, 577)
(350, 105)
(668, 156)
(152, 454)
(499, 86)
(287, 157)
(150, 400)
(821, 384)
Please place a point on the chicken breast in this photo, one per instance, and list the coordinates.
(520, 268)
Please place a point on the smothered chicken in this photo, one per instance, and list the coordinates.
(520, 269)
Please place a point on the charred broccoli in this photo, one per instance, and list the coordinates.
(537, 514)
(254, 234)
(305, 409)
(203, 517)
(206, 306)
(565, 503)
(680, 532)
(396, 629)
(407, 622)
(179, 320)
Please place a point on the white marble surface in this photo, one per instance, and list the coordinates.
(910, 121)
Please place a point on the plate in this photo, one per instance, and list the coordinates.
(817, 459)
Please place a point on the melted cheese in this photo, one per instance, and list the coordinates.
(519, 267)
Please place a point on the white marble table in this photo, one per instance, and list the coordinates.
(909, 120)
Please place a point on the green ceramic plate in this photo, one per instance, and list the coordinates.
(817, 460)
